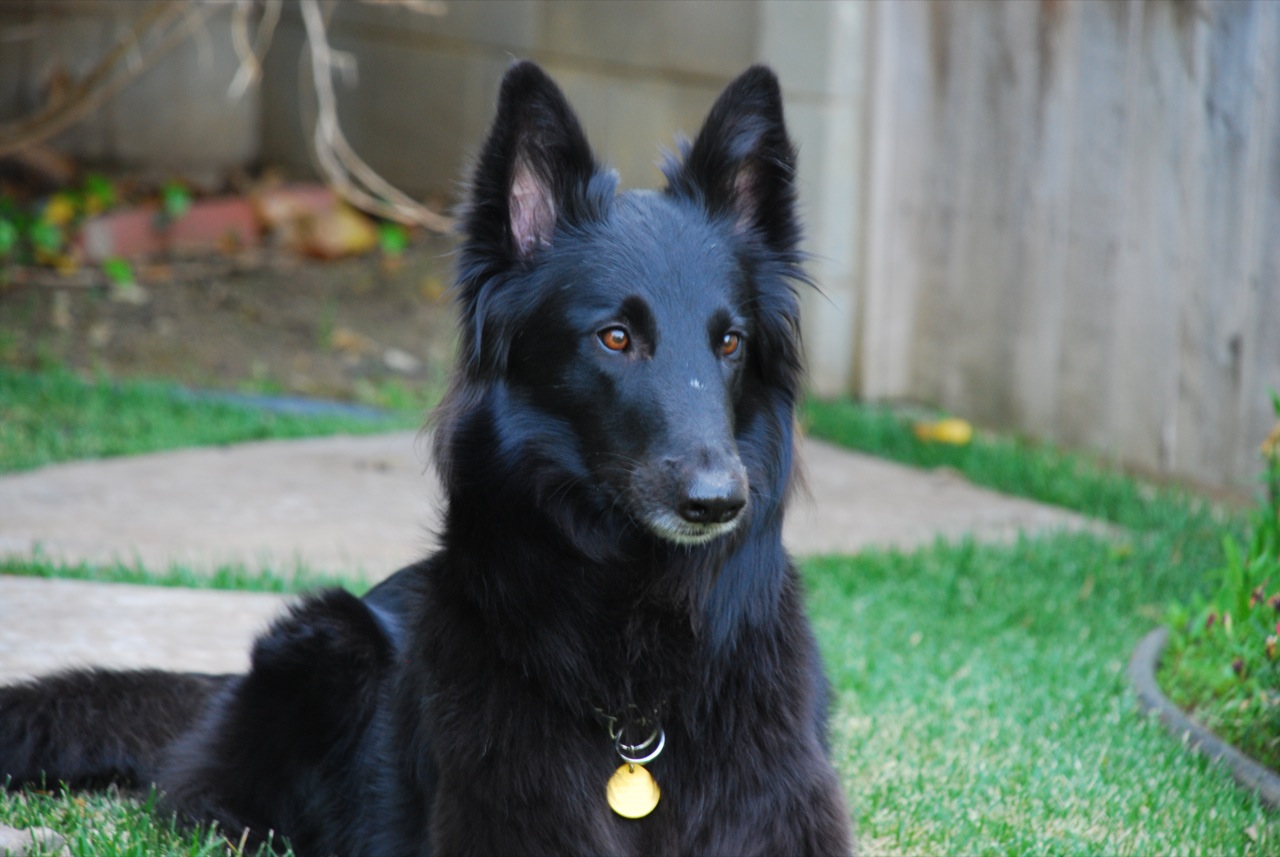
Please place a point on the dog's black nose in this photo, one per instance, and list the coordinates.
(713, 497)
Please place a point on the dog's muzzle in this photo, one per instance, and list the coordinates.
(692, 505)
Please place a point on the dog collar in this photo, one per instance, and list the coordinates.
(632, 792)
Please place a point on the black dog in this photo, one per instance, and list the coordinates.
(611, 605)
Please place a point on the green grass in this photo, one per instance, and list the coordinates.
(225, 577)
(981, 702)
(108, 824)
(53, 416)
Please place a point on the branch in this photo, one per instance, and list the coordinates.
(250, 71)
(346, 171)
(126, 60)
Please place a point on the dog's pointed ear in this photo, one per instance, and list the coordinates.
(533, 168)
(742, 164)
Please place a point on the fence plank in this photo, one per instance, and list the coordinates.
(1261, 369)
(1096, 214)
(1041, 227)
(1224, 51)
(985, 296)
(1142, 382)
(1080, 223)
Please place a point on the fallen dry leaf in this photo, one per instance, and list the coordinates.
(341, 231)
(347, 341)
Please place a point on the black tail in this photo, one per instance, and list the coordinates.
(91, 727)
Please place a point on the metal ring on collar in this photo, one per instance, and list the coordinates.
(634, 748)
(624, 749)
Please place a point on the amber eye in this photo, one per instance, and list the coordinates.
(730, 344)
(615, 338)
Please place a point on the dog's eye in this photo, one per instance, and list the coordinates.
(615, 338)
(730, 344)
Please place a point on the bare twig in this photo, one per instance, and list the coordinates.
(250, 71)
(345, 170)
(435, 8)
(122, 64)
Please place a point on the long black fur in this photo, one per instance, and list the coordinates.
(616, 450)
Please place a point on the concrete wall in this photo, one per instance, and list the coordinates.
(637, 72)
(175, 117)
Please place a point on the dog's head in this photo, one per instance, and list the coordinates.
(635, 352)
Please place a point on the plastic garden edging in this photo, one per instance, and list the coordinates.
(1247, 772)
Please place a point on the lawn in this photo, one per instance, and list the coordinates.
(981, 704)
(53, 416)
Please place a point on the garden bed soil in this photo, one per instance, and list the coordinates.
(367, 329)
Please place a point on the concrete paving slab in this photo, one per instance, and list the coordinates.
(339, 505)
(345, 505)
(368, 505)
(48, 625)
(853, 502)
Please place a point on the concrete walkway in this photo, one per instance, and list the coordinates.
(343, 505)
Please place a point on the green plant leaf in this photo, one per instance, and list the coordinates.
(392, 238)
(46, 236)
(8, 237)
(175, 200)
(118, 271)
(100, 190)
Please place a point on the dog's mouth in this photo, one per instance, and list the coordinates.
(671, 527)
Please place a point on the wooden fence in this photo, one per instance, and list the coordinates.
(1073, 214)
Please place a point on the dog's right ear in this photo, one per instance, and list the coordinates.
(533, 170)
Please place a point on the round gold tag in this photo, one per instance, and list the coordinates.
(632, 791)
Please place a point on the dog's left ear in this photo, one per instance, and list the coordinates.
(742, 164)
